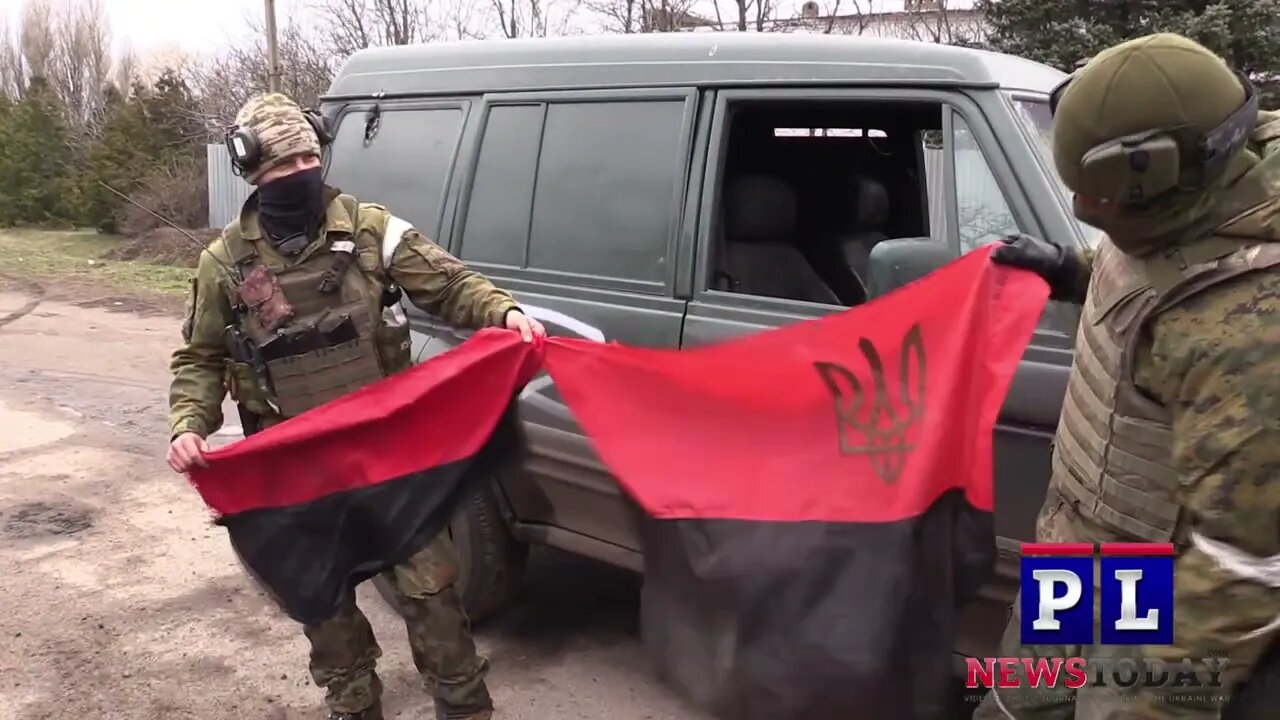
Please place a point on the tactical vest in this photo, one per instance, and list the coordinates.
(1113, 454)
(336, 341)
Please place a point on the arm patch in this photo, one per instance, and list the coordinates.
(189, 314)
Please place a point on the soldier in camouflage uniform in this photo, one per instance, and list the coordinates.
(1170, 430)
(310, 265)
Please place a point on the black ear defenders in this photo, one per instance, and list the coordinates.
(245, 147)
(1139, 167)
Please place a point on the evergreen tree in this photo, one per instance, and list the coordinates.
(119, 156)
(37, 181)
(1063, 32)
(155, 129)
(173, 116)
(7, 186)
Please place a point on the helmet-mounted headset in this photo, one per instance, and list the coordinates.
(245, 146)
(1139, 167)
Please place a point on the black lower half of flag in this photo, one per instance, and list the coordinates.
(761, 620)
(308, 556)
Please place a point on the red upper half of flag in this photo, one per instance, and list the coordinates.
(441, 411)
(868, 415)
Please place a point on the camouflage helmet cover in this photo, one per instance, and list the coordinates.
(1161, 88)
(282, 129)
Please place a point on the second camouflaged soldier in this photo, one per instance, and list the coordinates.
(296, 304)
(1170, 431)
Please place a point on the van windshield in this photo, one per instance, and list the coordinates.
(1034, 116)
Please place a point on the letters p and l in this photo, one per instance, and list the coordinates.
(1134, 586)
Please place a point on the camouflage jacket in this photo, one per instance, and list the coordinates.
(430, 277)
(1212, 360)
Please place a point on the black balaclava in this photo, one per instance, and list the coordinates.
(289, 209)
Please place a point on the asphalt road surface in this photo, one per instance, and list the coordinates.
(119, 599)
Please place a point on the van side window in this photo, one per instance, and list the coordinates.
(404, 166)
(809, 188)
(591, 189)
(982, 212)
(497, 224)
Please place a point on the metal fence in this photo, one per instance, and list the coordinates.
(227, 192)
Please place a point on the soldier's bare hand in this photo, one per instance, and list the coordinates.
(528, 327)
(185, 451)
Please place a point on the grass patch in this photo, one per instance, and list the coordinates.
(78, 255)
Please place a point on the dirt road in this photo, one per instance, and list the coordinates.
(118, 598)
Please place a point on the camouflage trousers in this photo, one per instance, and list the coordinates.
(344, 650)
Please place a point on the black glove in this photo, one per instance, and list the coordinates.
(1058, 266)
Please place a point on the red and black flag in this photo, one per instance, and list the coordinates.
(333, 497)
(819, 496)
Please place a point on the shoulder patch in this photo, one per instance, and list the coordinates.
(371, 218)
(189, 313)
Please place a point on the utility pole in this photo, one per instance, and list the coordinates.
(273, 54)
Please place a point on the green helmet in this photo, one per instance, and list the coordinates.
(1148, 121)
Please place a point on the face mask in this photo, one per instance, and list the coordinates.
(289, 207)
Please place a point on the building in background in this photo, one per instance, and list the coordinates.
(943, 21)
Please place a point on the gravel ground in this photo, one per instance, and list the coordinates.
(120, 599)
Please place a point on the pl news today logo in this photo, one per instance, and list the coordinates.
(1135, 597)
(1136, 594)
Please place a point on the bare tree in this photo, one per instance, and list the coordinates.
(66, 46)
(619, 16)
(13, 68)
(401, 20)
(347, 24)
(455, 19)
(78, 64)
(36, 36)
(521, 18)
(936, 21)
(758, 15)
(351, 25)
(646, 16)
(224, 83)
(534, 18)
(123, 71)
(841, 17)
(833, 12)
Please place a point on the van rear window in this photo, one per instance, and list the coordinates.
(586, 190)
(787, 132)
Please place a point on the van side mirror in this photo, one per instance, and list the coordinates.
(894, 263)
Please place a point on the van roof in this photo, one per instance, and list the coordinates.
(676, 59)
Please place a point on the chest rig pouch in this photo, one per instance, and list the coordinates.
(316, 323)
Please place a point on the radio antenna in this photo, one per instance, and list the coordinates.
(203, 248)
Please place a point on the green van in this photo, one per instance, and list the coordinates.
(669, 190)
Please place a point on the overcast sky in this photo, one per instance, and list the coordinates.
(149, 26)
(190, 25)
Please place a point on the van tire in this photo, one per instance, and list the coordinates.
(490, 559)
